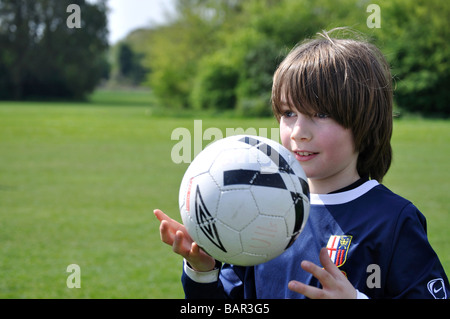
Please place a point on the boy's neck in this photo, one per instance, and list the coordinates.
(354, 185)
(326, 186)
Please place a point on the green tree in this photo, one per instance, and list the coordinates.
(42, 57)
(129, 65)
(215, 84)
(416, 43)
(222, 53)
(175, 51)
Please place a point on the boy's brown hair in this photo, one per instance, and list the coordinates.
(350, 81)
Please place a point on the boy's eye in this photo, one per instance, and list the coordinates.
(288, 114)
(321, 115)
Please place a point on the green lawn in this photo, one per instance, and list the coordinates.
(79, 181)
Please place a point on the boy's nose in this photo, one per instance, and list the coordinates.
(301, 130)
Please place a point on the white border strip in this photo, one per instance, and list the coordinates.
(344, 197)
(201, 277)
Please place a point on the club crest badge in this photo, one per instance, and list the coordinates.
(338, 246)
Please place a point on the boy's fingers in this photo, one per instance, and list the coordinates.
(195, 249)
(327, 280)
(182, 245)
(326, 275)
(321, 274)
(308, 291)
(165, 233)
(174, 234)
(329, 266)
(160, 215)
(174, 226)
(178, 244)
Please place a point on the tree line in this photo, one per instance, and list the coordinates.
(217, 54)
(221, 54)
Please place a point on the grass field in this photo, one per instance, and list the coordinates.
(79, 181)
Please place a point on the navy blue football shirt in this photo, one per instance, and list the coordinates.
(376, 238)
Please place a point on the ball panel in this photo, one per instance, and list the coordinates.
(234, 159)
(272, 201)
(237, 209)
(266, 235)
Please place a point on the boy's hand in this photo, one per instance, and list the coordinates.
(335, 284)
(175, 234)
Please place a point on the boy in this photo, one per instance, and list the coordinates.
(333, 100)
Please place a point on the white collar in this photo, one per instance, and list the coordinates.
(344, 197)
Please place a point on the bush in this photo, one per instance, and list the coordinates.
(215, 85)
(255, 106)
(256, 73)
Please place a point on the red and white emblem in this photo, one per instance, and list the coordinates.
(338, 246)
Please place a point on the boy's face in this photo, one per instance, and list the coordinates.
(324, 148)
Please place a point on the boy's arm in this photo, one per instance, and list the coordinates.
(207, 279)
(415, 270)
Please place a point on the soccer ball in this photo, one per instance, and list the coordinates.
(244, 199)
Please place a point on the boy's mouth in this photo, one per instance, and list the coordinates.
(305, 153)
(304, 156)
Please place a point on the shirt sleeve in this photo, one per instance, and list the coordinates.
(202, 277)
(415, 271)
(201, 285)
(225, 281)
